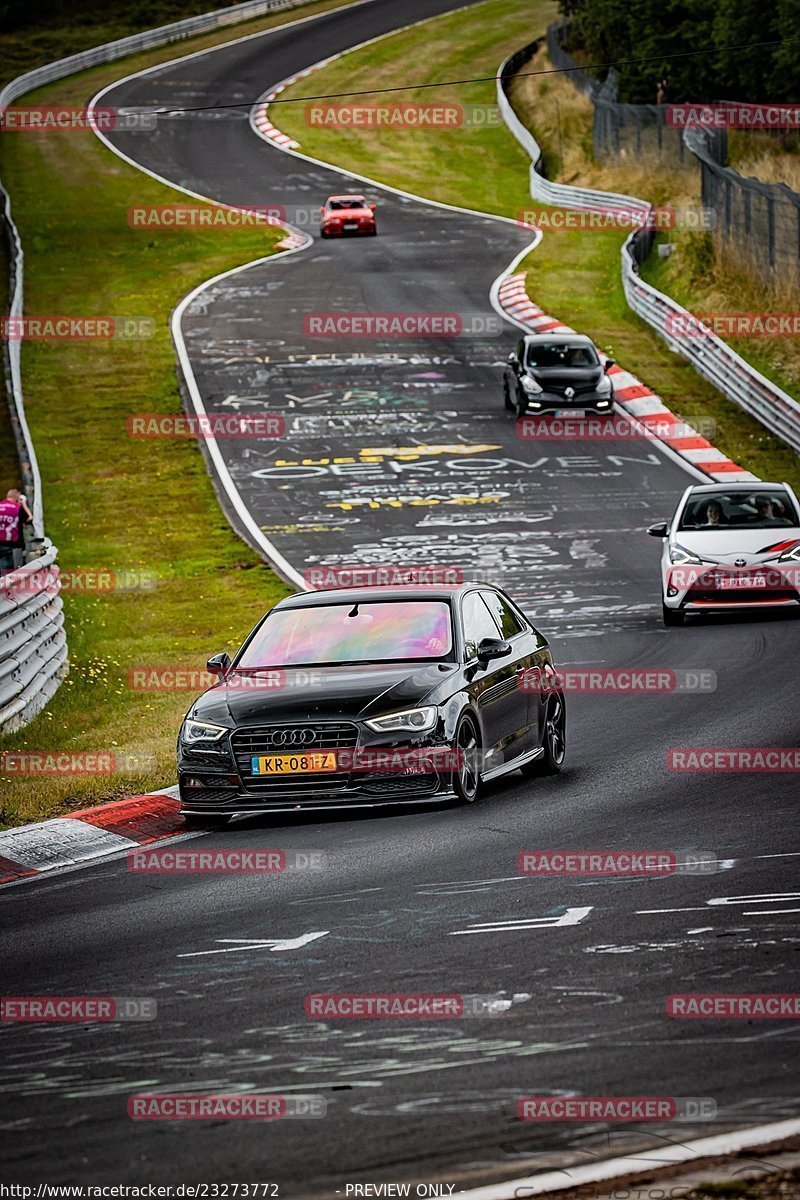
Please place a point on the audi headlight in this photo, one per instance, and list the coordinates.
(604, 386)
(413, 720)
(194, 733)
(791, 555)
(679, 555)
(530, 386)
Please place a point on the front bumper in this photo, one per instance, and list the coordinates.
(221, 782)
(549, 402)
(340, 231)
(725, 589)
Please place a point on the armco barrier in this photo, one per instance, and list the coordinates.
(33, 648)
(711, 357)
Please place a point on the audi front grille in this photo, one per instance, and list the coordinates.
(261, 740)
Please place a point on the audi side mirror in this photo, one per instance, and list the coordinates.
(609, 363)
(660, 529)
(491, 648)
(218, 665)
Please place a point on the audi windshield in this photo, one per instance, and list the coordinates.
(371, 632)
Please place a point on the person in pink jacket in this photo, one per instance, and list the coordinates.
(14, 515)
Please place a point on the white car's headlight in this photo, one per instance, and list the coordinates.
(791, 555)
(530, 386)
(678, 555)
(604, 386)
(413, 720)
(194, 732)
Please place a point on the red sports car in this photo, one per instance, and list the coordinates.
(347, 214)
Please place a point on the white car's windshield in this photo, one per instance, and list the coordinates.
(771, 509)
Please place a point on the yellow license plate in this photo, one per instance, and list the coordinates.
(293, 764)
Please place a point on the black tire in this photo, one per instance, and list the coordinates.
(554, 741)
(672, 616)
(205, 820)
(466, 778)
(507, 401)
(323, 234)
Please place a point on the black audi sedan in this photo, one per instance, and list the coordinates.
(372, 696)
(557, 372)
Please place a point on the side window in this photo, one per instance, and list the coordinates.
(478, 623)
(520, 351)
(506, 619)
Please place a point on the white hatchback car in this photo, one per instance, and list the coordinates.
(730, 546)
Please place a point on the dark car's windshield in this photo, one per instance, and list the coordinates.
(771, 509)
(368, 632)
(561, 353)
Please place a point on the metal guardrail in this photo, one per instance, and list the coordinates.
(709, 355)
(33, 645)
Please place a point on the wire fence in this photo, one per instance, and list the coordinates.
(761, 219)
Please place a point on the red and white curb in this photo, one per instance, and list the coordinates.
(262, 121)
(633, 397)
(82, 837)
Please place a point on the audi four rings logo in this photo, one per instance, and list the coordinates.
(292, 737)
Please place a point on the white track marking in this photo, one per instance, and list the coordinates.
(572, 916)
(274, 945)
(633, 1164)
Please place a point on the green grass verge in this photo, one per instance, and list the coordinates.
(573, 274)
(110, 501)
